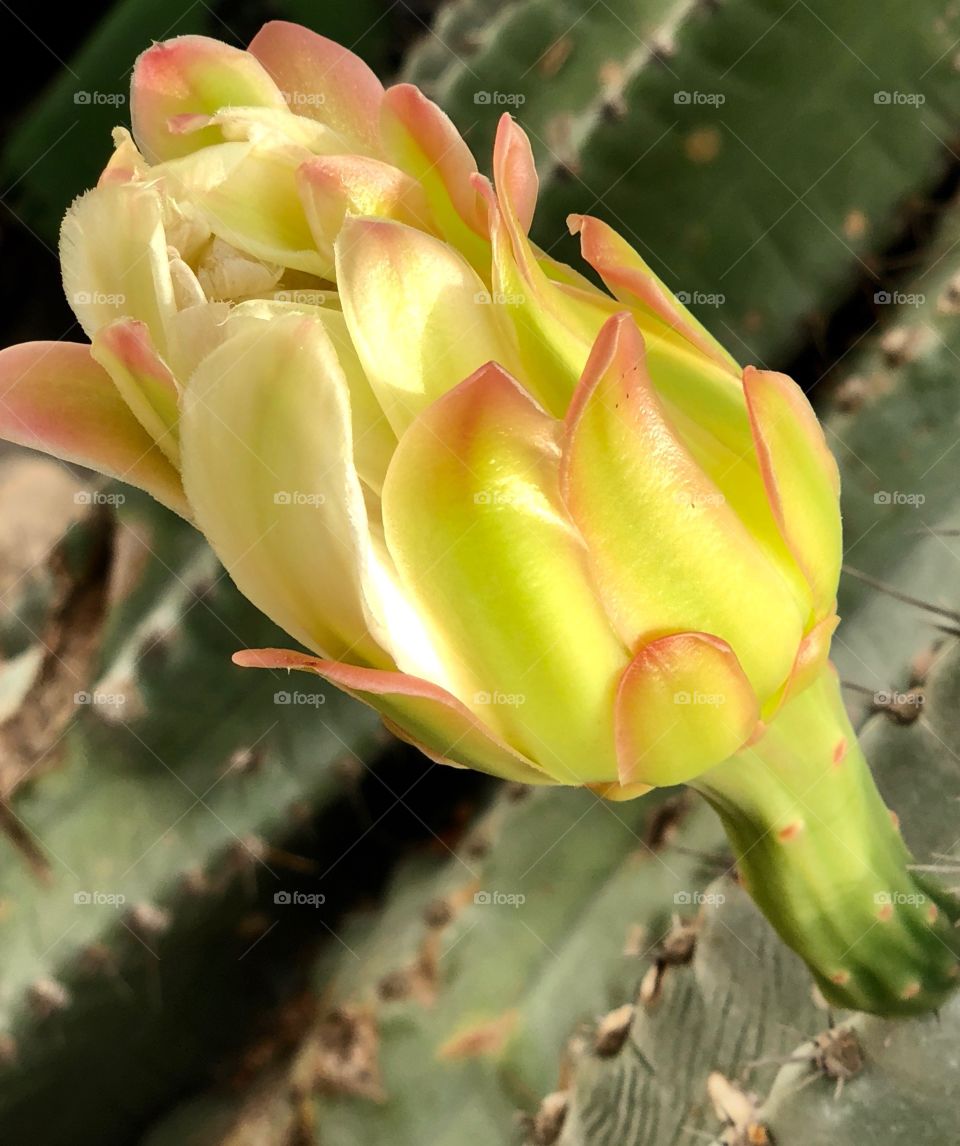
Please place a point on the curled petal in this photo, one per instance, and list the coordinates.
(55, 398)
(683, 705)
(248, 197)
(416, 710)
(113, 253)
(374, 441)
(126, 164)
(192, 75)
(268, 467)
(514, 170)
(124, 349)
(801, 478)
(422, 140)
(265, 125)
(324, 81)
(635, 284)
(667, 551)
(420, 318)
(482, 546)
(336, 186)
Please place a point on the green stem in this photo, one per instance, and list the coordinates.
(823, 858)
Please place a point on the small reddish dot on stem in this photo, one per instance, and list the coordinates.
(790, 832)
(840, 750)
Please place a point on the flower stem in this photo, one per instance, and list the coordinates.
(823, 858)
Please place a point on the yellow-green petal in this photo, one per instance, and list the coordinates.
(482, 545)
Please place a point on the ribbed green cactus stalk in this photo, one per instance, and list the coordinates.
(823, 857)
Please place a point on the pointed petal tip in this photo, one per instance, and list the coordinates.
(417, 710)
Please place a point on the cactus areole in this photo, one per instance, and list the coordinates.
(549, 531)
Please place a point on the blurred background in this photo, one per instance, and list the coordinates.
(234, 914)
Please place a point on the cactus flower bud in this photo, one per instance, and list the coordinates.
(549, 531)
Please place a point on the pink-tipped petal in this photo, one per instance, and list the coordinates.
(801, 477)
(192, 75)
(667, 551)
(683, 706)
(55, 398)
(421, 139)
(125, 350)
(324, 81)
(482, 545)
(634, 283)
(514, 170)
(419, 711)
(812, 655)
(335, 186)
(421, 319)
